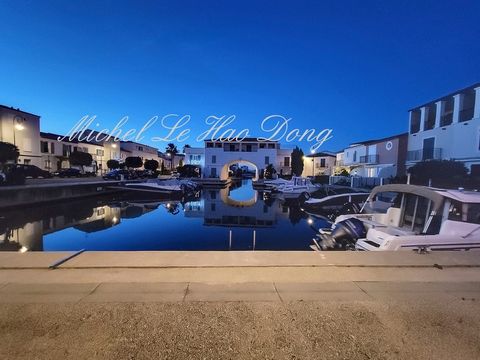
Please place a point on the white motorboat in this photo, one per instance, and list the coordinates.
(172, 185)
(332, 203)
(298, 186)
(409, 217)
(268, 185)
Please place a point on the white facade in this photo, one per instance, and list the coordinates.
(319, 164)
(447, 128)
(377, 158)
(216, 157)
(55, 153)
(23, 130)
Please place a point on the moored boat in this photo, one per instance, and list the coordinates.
(409, 217)
(297, 187)
(170, 186)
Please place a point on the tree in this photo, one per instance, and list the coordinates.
(133, 162)
(269, 172)
(8, 152)
(442, 173)
(297, 161)
(80, 158)
(151, 165)
(344, 172)
(186, 146)
(171, 150)
(113, 164)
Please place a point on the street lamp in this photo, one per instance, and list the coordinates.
(313, 159)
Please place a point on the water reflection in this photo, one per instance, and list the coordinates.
(236, 218)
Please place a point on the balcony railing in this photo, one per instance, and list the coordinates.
(369, 159)
(425, 154)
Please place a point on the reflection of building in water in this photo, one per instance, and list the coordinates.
(218, 209)
(23, 230)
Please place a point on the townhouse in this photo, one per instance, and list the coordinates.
(447, 128)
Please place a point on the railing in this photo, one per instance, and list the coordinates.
(425, 154)
(369, 159)
(358, 181)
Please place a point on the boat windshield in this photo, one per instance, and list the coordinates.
(382, 202)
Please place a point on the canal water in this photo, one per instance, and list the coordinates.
(236, 218)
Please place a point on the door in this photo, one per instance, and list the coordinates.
(428, 146)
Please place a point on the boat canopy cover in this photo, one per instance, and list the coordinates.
(471, 197)
(435, 196)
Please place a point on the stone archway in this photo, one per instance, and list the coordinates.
(226, 166)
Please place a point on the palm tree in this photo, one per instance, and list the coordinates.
(186, 146)
(171, 151)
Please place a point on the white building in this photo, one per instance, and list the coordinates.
(55, 154)
(23, 130)
(322, 163)
(377, 158)
(216, 157)
(133, 149)
(447, 128)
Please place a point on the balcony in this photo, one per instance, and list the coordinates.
(425, 154)
(369, 159)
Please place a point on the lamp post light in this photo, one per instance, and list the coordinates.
(114, 146)
(17, 123)
(313, 160)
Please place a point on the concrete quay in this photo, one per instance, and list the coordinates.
(240, 305)
(50, 190)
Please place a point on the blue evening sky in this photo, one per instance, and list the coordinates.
(353, 66)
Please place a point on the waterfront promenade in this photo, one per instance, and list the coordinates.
(240, 305)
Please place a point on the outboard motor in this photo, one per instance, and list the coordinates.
(349, 230)
(343, 236)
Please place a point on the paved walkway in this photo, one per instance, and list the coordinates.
(240, 305)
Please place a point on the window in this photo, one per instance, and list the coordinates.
(262, 146)
(249, 148)
(48, 164)
(214, 159)
(67, 149)
(44, 146)
(140, 148)
(99, 152)
(213, 172)
(52, 148)
(271, 146)
(213, 206)
(232, 147)
(464, 212)
(286, 161)
(27, 161)
(209, 145)
(415, 121)
(354, 156)
(322, 163)
(267, 160)
(428, 148)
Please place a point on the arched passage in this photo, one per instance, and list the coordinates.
(224, 172)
